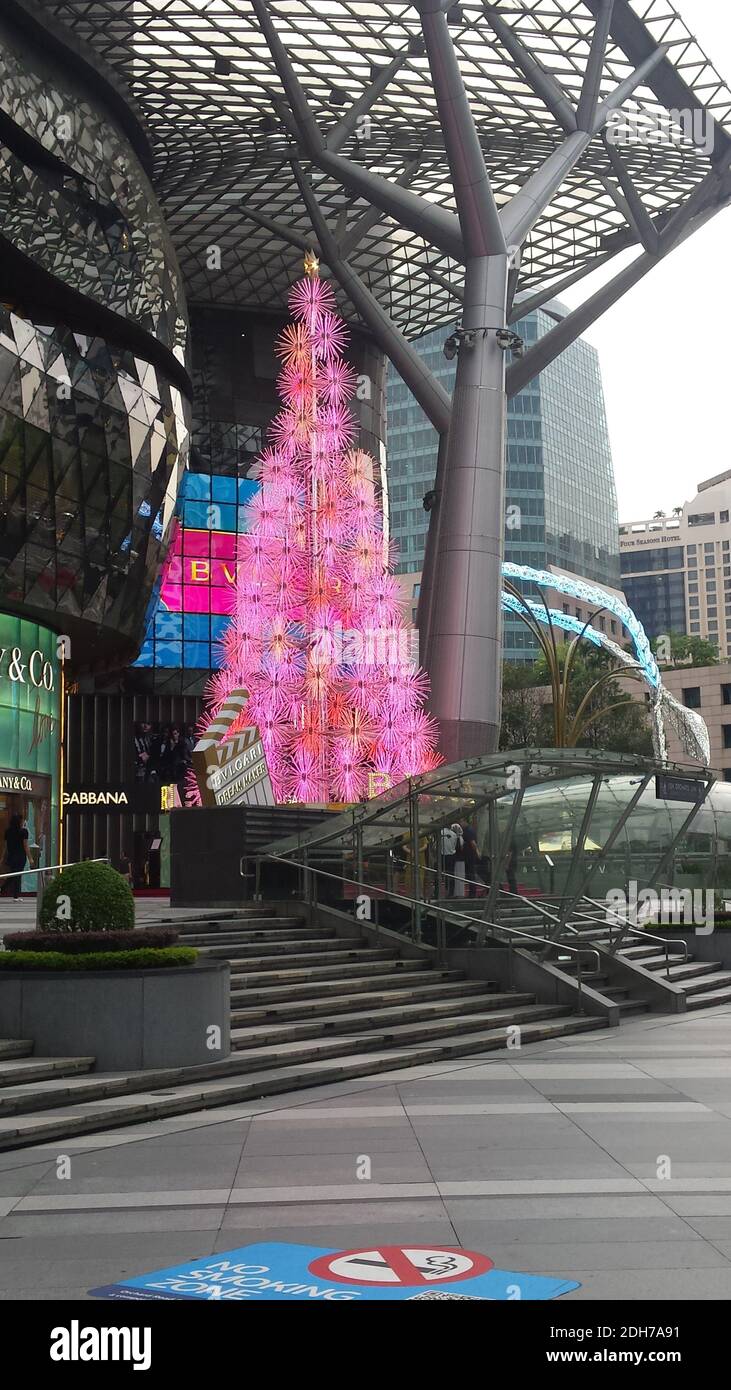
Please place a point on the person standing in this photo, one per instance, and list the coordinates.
(510, 867)
(471, 857)
(143, 739)
(16, 855)
(451, 835)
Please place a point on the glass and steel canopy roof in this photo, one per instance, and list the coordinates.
(203, 76)
(462, 789)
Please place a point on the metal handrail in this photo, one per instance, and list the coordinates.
(631, 931)
(502, 892)
(48, 868)
(556, 920)
(478, 922)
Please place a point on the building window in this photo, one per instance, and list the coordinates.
(727, 774)
(713, 612)
(726, 545)
(727, 735)
(695, 627)
(726, 694)
(692, 696)
(724, 516)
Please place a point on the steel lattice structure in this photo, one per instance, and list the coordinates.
(222, 149)
(447, 161)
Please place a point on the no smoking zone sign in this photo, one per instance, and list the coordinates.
(406, 1266)
(306, 1274)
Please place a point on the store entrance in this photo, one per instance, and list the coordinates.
(35, 814)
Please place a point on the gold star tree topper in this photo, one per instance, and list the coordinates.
(312, 265)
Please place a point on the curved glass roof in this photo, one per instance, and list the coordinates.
(203, 76)
(450, 793)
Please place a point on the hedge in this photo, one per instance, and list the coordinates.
(84, 942)
(98, 960)
(95, 898)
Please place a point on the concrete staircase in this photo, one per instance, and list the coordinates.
(705, 983)
(308, 1007)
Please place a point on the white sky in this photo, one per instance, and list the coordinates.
(666, 347)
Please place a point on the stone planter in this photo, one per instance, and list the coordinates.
(129, 1020)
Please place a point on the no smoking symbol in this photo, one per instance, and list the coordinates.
(404, 1266)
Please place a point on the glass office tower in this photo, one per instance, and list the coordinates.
(561, 505)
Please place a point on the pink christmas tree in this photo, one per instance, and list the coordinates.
(318, 638)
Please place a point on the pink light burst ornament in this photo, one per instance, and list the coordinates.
(318, 635)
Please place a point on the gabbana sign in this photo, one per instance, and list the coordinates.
(137, 797)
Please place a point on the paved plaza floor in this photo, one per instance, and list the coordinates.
(604, 1159)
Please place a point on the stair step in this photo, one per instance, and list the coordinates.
(709, 999)
(640, 950)
(21, 1071)
(365, 983)
(718, 979)
(15, 1047)
(372, 963)
(306, 960)
(226, 918)
(392, 1025)
(685, 970)
(450, 998)
(274, 926)
(633, 1006)
(320, 947)
(290, 935)
(38, 1125)
(330, 1046)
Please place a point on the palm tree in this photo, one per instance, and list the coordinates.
(568, 729)
(677, 511)
(658, 516)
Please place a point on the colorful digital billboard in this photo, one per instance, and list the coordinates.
(194, 597)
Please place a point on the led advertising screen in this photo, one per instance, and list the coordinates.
(193, 601)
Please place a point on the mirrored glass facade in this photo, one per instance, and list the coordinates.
(94, 419)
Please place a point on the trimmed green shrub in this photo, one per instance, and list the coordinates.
(88, 897)
(98, 960)
(82, 942)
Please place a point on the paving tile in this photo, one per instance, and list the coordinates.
(341, 1233)
(15, 1182)
(146, 1168)
(413, 1215)
(342, 1167)
(713, 1228)
(658, 1285)
(356, 1136)
(564, 1258)
(108, 1223)
(574, 1162)
(552, 1208)
(565, 1231)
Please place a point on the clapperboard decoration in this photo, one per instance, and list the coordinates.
(232, 771)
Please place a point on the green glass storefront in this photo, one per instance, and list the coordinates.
(30, 735)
